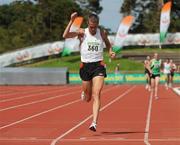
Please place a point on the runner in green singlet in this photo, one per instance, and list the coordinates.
(155, 66)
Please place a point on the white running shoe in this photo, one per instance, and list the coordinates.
(83, 96)
(156, 97)
(166, 86)
(149, 89)
(170, 85)
(92, 127)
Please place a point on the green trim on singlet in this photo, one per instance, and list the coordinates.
(155, 66)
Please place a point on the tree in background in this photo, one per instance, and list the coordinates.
(127, 7)
(175, 21)
(16, 20)
(143, 11)
(29, 22)
(26, 23)
(147, 14)
(90, 5)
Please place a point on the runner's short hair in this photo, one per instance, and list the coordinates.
(93, 17)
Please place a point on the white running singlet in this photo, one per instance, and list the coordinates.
(92, 46)
(167, 68)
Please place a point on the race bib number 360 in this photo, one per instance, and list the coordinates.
(93, 46)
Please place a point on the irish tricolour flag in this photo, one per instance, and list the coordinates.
(72, 44)
(165, 20)
(122, 33)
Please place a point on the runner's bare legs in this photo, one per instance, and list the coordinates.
(148, 82)
(98, 83)
(87, 89)
(93, 89)
(156, 87)
(152, 86)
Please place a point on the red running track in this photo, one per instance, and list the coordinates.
(54, 115)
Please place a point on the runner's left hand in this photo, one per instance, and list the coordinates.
(112, 54)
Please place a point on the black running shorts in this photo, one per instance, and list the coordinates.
(147, 72)
(90, 70)
(153, 76)
(172, 74)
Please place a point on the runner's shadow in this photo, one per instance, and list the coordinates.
(118, 132)
(167, 98)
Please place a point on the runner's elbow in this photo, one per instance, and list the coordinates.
(64, 36)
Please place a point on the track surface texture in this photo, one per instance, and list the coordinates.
(55, 115)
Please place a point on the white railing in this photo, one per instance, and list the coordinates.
(57, 47)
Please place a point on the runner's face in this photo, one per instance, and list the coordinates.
(156, 56)
(92, 27)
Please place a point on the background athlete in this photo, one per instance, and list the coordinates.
(92, 69)
(173, 69)
(147, 72)
(167, 72)
(155, 66)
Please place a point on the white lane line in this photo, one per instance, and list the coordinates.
(119, 139)
(31, 95)
(86, 119)
(146, 134)
(91, 139)
(47, 111)
(22, 91)
(177, 91)
(25, 139)
(43, 100)
(39, 101)
(36, 115)
(26, 95)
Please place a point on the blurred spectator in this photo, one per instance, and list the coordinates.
(167, 72)
(117, 69)
(173, 69)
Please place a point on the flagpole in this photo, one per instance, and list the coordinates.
(162, 2)
(160, 45)
(161, 5)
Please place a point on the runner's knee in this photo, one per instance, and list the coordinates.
(96, 97)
